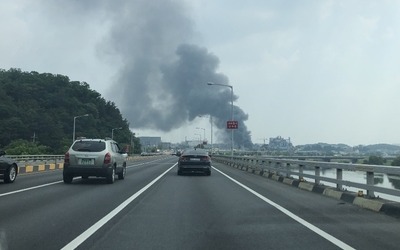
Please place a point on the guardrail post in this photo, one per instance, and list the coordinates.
(257, 168)
(301, 168)
(277, 166)
(269, 165)
(317, 174)
(262, 164)
(239, 164)
(339, 176)
(370, 183)
(287, 170)
(246, 166)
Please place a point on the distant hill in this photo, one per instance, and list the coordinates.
(41, 107)
(380, 148)
(326, 148)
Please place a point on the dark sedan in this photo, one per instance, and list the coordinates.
(194, 161)
(8, 168)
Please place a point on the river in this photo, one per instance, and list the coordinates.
(380, 180)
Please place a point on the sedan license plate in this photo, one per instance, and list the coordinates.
(87, 161)
(195, 159)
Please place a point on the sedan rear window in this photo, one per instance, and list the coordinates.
(89, 146)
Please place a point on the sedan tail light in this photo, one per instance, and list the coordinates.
(184, 158)
(107, 158)
(205, 158)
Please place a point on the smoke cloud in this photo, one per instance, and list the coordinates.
(186, 79)
(162, 82)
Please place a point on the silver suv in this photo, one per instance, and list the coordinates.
(94, 157)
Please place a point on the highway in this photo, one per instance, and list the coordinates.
(154, 208)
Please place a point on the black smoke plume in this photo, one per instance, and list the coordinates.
(162, 78)
(163, 82)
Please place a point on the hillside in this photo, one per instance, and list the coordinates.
(40, 108)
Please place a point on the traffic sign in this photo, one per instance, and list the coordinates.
(232, 125)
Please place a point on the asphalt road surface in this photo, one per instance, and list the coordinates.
(154, 208)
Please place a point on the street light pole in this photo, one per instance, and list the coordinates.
(73, 130)
(132, 143)
(231, 87)
(211, 120)
(204, 133)
(112, 132)
(199, 136)
(211, 135)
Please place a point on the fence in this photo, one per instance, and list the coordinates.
(289, 168)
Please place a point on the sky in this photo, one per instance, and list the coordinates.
(312, 71)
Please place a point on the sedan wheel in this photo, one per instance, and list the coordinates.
(11, 174)
(67, 178)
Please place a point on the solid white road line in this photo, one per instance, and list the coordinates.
(90, 231)
(310, 226)
(31, 188)
(57, 182)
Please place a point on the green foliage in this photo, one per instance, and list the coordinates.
(137, 147)
(375, 160)
(45, 105)
(23, 147)
(396, 161)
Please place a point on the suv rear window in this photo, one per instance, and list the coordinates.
(89, 146)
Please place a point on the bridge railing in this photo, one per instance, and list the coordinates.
(289, 168)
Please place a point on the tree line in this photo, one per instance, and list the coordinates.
(37, 113)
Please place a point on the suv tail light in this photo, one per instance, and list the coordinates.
(66, 158)
(107, 158)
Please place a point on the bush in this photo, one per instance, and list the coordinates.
(375, 160)
(23, 147)
(396, 161)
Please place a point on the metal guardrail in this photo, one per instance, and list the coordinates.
(296, 167)
(34, 158)
(45, 158)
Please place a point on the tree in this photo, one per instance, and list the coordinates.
(45, 104)
(375, 160)
(23, 147)
(396, 161)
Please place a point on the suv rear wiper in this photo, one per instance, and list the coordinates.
(84, 150)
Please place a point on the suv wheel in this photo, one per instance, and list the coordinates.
(121, 175)
(111, 176)
(11, 174)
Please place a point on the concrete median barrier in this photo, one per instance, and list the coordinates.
(28, 168)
